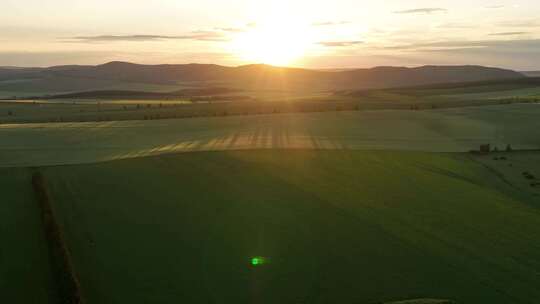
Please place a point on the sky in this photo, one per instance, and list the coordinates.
(302, 33)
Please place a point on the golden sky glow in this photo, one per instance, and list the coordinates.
(318, 34)
(278, 38)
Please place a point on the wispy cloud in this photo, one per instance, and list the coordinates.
(499, 6)
(331, 23)
(424, 10)
(455, 26)
(196, 35)
(525, 45)
(230, 29)
(204, 36)
(340, 43)
(509, 33)
(520, 23)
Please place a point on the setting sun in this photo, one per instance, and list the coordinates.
(277, 42)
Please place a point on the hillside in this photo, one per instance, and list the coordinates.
(249, 76)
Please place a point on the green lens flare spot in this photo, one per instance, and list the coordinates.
(257, 261)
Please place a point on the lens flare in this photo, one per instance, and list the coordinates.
(257, 261)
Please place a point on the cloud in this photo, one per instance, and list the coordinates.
(509, 33)
(104, 38)
(520, 23)
(340, 43)
(455, 26)
(330, 23)
(195, 35)
(230, 29)
(425, 10)
(514, 46)
(494, 7)
(204, 36)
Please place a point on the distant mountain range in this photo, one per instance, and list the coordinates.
(73, 78)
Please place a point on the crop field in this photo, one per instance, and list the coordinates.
(450, 130)
(348, 206)
(322, 226)
(25, 273)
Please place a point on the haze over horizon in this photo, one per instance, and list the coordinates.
(309, 34)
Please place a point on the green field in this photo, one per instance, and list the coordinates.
(339, 207)
(450, 130)
(25, 272)
(333, 226)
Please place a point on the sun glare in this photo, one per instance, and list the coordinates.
(280, 41)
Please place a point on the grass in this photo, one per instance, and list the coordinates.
(331, 227)
(25, 272)
(455, 130)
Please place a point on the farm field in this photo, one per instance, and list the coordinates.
(336, 206)
(332, 226)
(25, 272)
(136, 101)
(449, 130)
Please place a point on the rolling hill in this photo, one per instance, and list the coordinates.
(78, 78)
